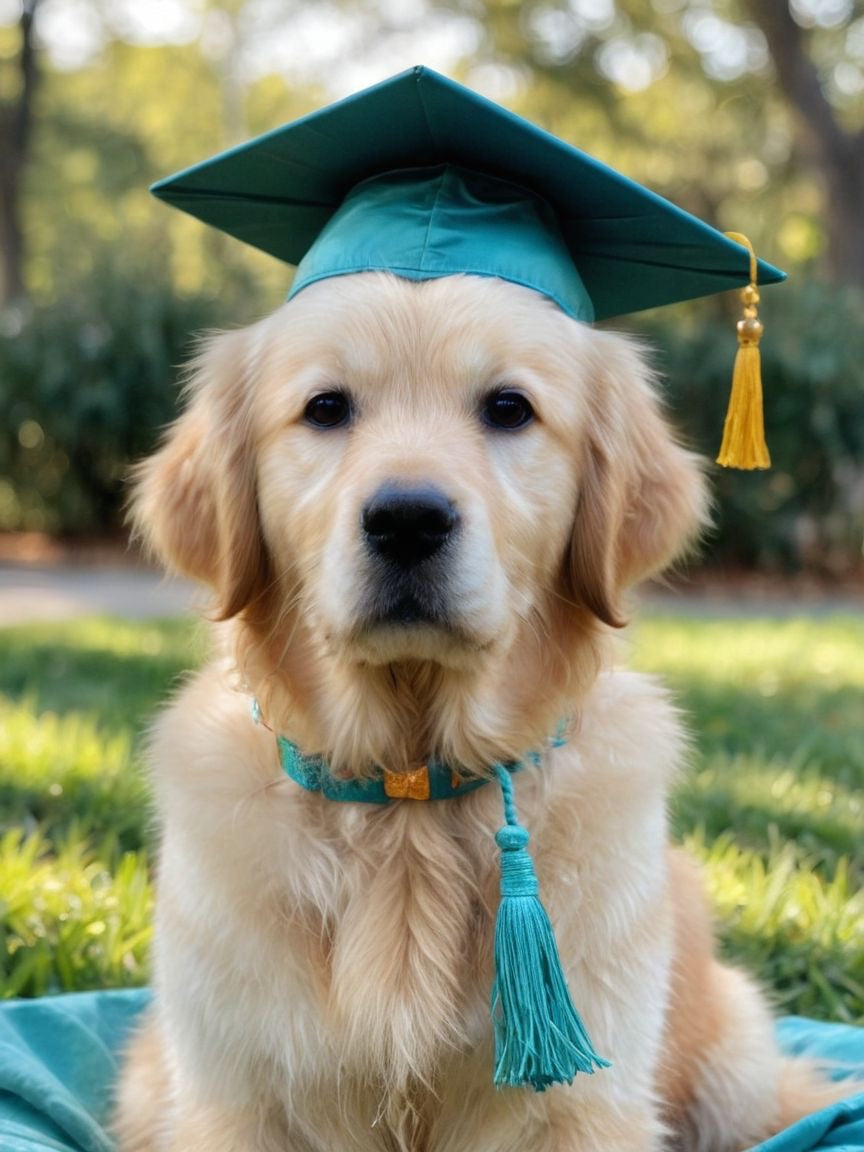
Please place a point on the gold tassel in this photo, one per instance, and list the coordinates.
(744, 431)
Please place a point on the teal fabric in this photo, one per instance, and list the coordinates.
(443, 221)
(58, 1065)
(630, 248)
(838, 1049)
(59, 1060)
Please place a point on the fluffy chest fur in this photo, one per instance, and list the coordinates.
(346, 949)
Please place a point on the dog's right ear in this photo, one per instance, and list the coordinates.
(194, 501)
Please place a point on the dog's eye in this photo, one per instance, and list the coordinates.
(328, 410)
(507, 409)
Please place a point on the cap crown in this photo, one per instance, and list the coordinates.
(425, 223)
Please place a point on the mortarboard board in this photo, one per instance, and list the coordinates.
(423, 177)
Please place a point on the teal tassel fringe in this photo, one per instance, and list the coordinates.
(539, 1036)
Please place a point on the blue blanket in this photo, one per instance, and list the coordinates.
(59, 1060)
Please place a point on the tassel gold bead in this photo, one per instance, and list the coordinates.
(750, 330)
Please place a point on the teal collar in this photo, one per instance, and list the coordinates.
(431, 781)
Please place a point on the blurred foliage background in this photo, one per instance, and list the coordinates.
(749, 113)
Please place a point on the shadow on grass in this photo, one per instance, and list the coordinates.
(803, 723)
(81, 696)
(118, 806)
(718, 810)
(793, 761)
(119, 685)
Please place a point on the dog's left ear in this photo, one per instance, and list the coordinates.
(194, 502)
(642, 497)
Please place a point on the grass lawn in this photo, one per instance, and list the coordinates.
(773, 802)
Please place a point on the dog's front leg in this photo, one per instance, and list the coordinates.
(577, 1118)
(217, 1129)
(605, 1126)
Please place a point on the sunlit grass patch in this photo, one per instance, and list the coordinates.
(57, 770)
(795, 923)
(76, 914)
(776, 707)
(75, 889)
(771, 803)
(75, 700)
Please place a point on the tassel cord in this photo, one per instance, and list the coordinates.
(540, 1038)
(518, 877)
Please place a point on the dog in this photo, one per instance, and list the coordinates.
(419, 507)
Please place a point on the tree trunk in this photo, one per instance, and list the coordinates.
(16, 124)
(839, 154)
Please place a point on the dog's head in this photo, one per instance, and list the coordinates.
(419, 470)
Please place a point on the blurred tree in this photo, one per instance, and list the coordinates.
(839, 153)
(104, 133)
(122, 101)
(682, 94)
(17, 92)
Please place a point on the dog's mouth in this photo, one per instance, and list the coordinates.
(409, 618)
(406, 610)
(401, 601)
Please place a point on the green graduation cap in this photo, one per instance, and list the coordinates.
(424, 178)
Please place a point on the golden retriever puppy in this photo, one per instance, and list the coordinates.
(418, 506)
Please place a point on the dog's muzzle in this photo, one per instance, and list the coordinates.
(407, 530)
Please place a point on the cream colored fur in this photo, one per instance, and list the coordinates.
(322, 970)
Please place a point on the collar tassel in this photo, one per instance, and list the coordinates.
(540, 1038)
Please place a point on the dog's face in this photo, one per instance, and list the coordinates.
(420, 468)
(415, 472)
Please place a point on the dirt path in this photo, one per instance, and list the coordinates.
(34, 592)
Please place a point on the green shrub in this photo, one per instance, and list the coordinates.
(85, 387)
(808, 510)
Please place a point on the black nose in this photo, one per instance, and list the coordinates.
(408, 525)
